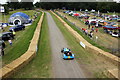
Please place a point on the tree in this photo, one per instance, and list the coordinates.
(6, 9)
(27, 4)
(101, 6)
(13, 4)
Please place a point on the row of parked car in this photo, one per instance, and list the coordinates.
(112, 33)
(108, 17)
(94, 21)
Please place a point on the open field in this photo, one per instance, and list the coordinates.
(4, 18)
(109, 43)
(21, 41)
(92, 64)
(40, 66)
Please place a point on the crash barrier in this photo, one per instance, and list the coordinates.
(107, 55)
(113, 73)
(15, 65)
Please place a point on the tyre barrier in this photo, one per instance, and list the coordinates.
(20, 62)
(112, 58)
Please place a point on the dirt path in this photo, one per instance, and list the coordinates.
(61, 68)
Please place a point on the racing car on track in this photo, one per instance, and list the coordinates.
(67, 54)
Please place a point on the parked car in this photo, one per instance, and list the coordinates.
(86, 17)
(6, 36)
(115, 34)
(118, 20)
(17, 28)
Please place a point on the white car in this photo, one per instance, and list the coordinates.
(115, 34)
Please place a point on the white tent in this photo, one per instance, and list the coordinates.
(86, 10)
(92, 10)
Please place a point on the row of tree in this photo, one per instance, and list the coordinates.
(15, 4)
(19, 5)
(101, 6)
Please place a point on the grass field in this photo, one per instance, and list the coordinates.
(4, 18)
(92, 64)
(20, 43)
(104, 41)
(40, 66)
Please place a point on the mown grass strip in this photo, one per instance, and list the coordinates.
(84, 36)
(21, 43)
(40, 66)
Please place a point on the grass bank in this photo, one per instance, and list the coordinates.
(40, 66)
(92, 64)
(20, 43)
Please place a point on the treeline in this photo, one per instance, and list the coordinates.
(15, 4)
(19, 5)
(101, 6)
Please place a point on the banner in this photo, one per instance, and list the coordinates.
(82, 44)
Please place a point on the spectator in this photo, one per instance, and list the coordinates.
(10, 42)
(86, 31)
(83, 29)
(1, 51)
(91, 34)
(96, 30)
(89, 25)
(96, 24)
(92, 28)
(13, 32)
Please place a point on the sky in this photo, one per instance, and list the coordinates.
(4, 1)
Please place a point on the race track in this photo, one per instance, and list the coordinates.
(61, 68)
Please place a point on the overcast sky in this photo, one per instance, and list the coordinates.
(4, 1)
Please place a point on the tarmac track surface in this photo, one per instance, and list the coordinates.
(61, 68)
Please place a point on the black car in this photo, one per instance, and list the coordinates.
(17, 28)
(6, 36)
